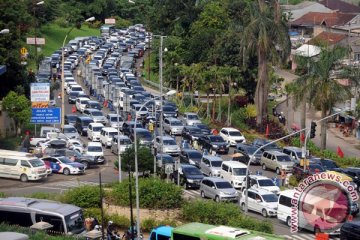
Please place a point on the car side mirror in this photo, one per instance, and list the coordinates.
(258, 200)
(213, 187)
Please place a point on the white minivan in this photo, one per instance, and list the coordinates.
(21, 165)
(94, 130)
(234, 172)
(106, 135)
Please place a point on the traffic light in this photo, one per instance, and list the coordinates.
(313, 129)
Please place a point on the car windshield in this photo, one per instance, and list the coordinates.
(168, 109)
(283, 158)
(270, 198)
(65, 160)
(223, 185)
(115, 119)
(97, 114)
(95, 105)
(195, 130)
(97, 129)
(111, 134)
(94, 149)
(250, 150)
(36, 163)
(216, 163)
(201, 126)
(239, 171)
(176, 123)
(192, 171)
(235, 134)
(328, 164)
(216, 139)
(75, 222)
(145, 135)
(167, 159)
(87, 122)
(316, 167)
(125, 142)
(69, 130)
(265, 183)
(169, 142)
(193, 117)
(71, 118)
(195, 155)
(73, 94)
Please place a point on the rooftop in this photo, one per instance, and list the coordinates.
(327, 37)
(340, 6)
(327, 19)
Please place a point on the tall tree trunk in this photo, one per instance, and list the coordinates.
(219, 113)
(303, 116)
(207, 105)
(213, 108)
(323, 129)
(261, 93)
(229, 105)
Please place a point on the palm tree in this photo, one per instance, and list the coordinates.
(267, 35)
(321, 89)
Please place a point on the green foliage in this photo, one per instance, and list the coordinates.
(120, 220)
(145, 159)
(83, 196)
(34, 235)
(153, 193)
(10, 143)
(238, 118)
(148, 224)
(293, 181)
(95, 213)
(44, 195)
(2, 195)
(228, 214)
(18, 108)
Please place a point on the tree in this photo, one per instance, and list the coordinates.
(145, 159)
(266, 35)
(18, 108)
(322, 89)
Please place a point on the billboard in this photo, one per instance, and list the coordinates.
(110, 21)
(39, 41)
(40, 92)
(45, 115)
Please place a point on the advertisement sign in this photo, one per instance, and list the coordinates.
(45, 115)
(39, 104)
(40, 92)
(39, 41)
(110, 21)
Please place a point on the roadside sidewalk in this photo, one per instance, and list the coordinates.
(349, 145)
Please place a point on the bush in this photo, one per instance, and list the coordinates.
(153, 193)
(95, 213)
(43, 195)
(84, 196)
(120, 220)
(293, 181)
(62, 22)
(148, 224)
(2, 195)
(229, 214)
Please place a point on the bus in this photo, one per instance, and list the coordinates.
(200, 231)
(64, 218)
(107, 30)
(21, 165)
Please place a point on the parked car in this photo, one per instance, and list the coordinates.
(234, 172)
(93, 132)
(261, 201)
(75, 156)
(191, 156)
(277, 161)
(263, 182)
(128, 126)
(354, 173)
(218, 189)
(191, 118)
(214, 143)
(80, 103)
(143, 135)
(204, 128)
(327, 164)
(82, 123)
(94, 149)
(70, 131)
(232, 136)
(114, 120)
(259, 142)
(211, 165)
(191, 133)
(70, 119)
(294, 152)
(96, 115)
(93, 105)
(167, 145)
(249, 150)
(106, 136)
(190, 176)
(173, 126)
(350, 230)
(120, 143)
(300, 173)
(61, 164)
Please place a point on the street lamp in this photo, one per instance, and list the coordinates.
(35, 19)
(169, 93)
(5, 31)
(62, 74)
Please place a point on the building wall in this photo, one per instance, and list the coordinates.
(5, 124)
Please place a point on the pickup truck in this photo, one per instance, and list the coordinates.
(45, 134)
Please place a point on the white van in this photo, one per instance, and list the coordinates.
(106, 135)
(234, 172)
(94, 130)
(21, 165)
(80, 103)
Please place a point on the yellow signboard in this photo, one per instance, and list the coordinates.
(40, 104)
(23, 51)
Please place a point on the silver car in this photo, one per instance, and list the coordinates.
(173, 126)
(119, 144)
(114, 120)
(70, 131)
(96, 115)
(211, 165)
(191, 118)
(218, 189)
(169, 146)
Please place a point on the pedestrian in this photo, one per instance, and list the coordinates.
(283, 177)
(151, 126)
(25, 145)
(129, 117)
(195, 145)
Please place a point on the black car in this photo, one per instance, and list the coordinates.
(128, 126)
(327, 164)
(354, 173)
(259, 142)
(72, 97)
(191, 133)
(191, 156)
(214, 143)
(169, 112)
(163, 159)
(248, 150)
(190, 176)
(82, 123)
(70, 119)
(75, 156)
(143, 135)
(350, 231)
(94, 105)
(204, 128)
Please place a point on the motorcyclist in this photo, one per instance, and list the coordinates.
(110, 231)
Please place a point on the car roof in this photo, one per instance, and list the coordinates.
(113, 115)
(190, 113)
(167, 138)
(188, 166)
(94, 144)
(68, 126)
(171, 119)
(93, 101)
(83, 98)
(110, 129)
(212, 158)
(276, 153)
(291, 148)
(215, 179)
(85, 118)
(258, 177)
(288, 193)
(121, 137)
(97, 124)
(93, 110)
(141, 130)
(234, 164)
(260, 191)
(230, 129)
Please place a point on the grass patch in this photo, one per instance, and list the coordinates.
(54, 36)
(10, 143)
